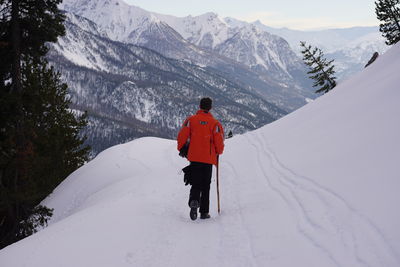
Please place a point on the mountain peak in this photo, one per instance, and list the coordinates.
(209, 15)
(210, 18)
(115, 17)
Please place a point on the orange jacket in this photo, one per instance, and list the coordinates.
(206, 137)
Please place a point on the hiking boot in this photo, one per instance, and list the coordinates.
(205, 216)
(194, 204)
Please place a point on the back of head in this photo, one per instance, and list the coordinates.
(206, 103)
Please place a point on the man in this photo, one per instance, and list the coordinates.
(206, 141)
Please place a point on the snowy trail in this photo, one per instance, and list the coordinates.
(143, 220)
(324, 217)
(138, 216)
(176, 240)
(205, 243)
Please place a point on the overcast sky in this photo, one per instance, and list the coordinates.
(295, 14)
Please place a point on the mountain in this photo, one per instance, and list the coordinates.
(203, 39)
(318, 187)
(262, 51)
(353, 56)
(266, 54)
(242, 55)
(130, 91)
(351, 48)
(271, 69)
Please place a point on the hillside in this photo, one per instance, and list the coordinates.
(318, 187)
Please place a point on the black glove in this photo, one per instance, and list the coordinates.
(187, 175)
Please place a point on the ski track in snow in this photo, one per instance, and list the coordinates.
(323, 218)
(236, 223)
(335, 228)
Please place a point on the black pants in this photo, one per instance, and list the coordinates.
(201, 179)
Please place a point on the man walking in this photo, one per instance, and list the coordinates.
(206, 138)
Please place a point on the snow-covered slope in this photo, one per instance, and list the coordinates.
(318, 187)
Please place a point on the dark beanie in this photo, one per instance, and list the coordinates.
(206, 103)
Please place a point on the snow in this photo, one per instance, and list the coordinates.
(318, 187)
(115, 17)
(195, 28)
(79, 52)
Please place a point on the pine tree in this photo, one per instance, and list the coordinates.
(39, 136)
(388, 12)
(56, 141)
(322, 71)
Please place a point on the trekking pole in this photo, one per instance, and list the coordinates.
(219, 208)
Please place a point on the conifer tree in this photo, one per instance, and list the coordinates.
(321, 70)
(39, 136)
(388, 12)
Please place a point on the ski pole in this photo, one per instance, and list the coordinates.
(219, 207)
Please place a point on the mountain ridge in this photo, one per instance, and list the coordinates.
(182, 41)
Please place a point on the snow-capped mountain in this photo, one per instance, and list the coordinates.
(132, 24)
(131, 91)
(245, 43)
(265, 53)
(201, 40)
(318, 187)
(116, 18)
